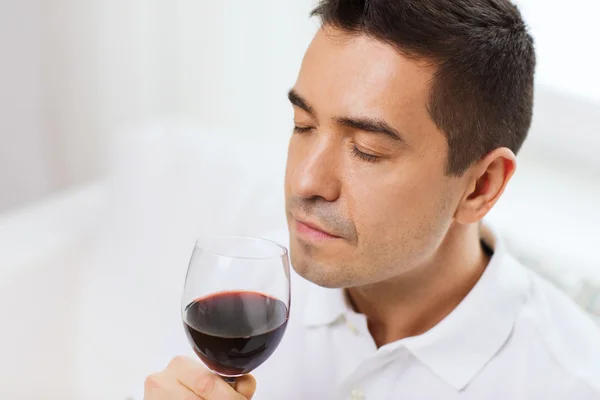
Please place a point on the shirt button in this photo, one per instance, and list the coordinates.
(357, 394)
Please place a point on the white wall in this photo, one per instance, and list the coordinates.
(81, 70)
(25, 162)
(566, 35)
(101, 71)
(566, 125)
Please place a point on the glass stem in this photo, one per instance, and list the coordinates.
(231, 380)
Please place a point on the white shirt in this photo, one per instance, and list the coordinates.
(514, 336)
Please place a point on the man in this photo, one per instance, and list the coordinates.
(408, 115)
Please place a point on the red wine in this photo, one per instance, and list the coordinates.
(235, 332)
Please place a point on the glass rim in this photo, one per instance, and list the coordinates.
(201, 244)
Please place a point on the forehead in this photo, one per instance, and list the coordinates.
(354, 74)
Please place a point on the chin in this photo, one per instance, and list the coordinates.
(321, 263)
(328, 275)
(319, 278)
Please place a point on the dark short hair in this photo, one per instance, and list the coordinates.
(482, 91)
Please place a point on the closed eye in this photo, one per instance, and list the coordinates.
(364, 156)
(302, 129)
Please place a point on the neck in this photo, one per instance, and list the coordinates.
(413, 303)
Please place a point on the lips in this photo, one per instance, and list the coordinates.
(313, 230)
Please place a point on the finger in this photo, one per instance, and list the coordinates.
(246, 386)
(163, 387)
(205, 384)
(181, 393)
(154, 387)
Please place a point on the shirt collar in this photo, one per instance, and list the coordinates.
(325, 306)
(459, 346)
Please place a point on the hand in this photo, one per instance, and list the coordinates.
(187, 379)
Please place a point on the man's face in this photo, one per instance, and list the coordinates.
(367, 164)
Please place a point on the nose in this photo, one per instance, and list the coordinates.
(316, 171)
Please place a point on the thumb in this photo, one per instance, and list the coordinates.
(246, 386)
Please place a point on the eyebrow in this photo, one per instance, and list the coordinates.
(373, 125)
(299, 102)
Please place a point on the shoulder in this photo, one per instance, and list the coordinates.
(565, 331)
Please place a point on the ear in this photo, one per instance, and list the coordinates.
(486, 182)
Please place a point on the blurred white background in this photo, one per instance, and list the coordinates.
(73, 72)
(101, 91)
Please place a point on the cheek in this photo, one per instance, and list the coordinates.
(399, 211)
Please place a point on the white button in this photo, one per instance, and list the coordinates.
(357, 394)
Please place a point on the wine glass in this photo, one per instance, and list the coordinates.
(236, 302)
